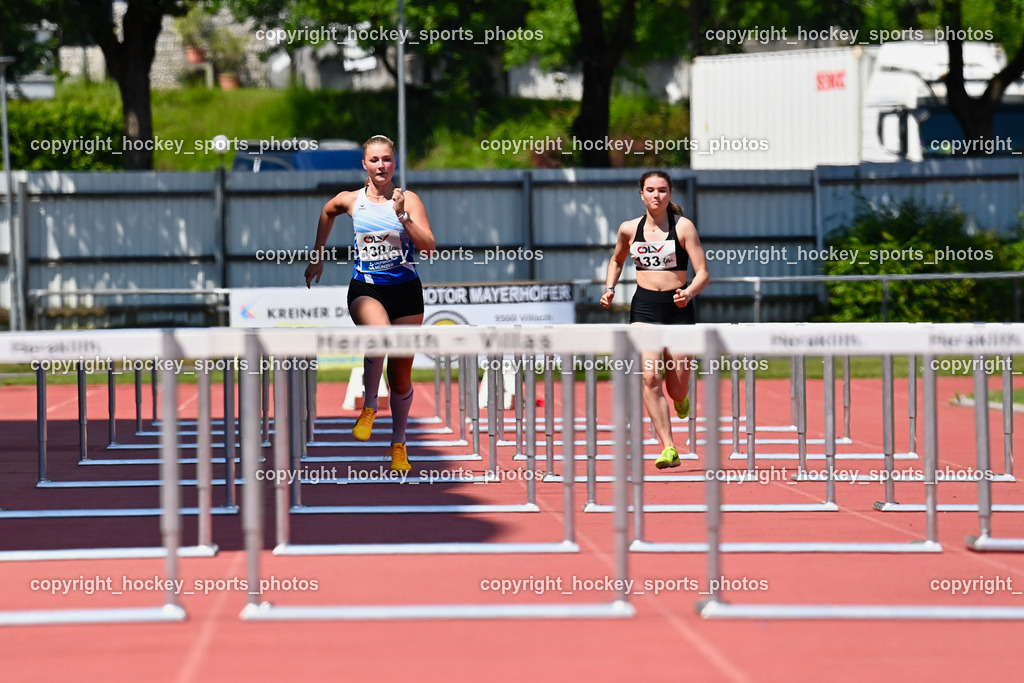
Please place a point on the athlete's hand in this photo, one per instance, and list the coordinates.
(314, 270)
(680, 298)
(606, 298)
(399, 198)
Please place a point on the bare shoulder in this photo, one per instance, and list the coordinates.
(628, 228)
(343, 201)
(685, 227)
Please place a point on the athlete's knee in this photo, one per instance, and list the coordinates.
(399, 382)
(652, 379)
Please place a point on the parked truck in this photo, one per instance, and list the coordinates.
(799, 109)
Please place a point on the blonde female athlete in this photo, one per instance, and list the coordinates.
(660, 243)
(385, 289)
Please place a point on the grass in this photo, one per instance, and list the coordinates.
(441, 133)
(997, 397)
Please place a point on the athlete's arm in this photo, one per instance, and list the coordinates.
(625, 236)
(339, 204)
(687, 234)
(417, 224)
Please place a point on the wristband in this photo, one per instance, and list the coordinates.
(404, 217)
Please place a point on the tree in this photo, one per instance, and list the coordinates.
(1000, 21)
(604, 38)
(451, 39)
(976, 115)
(129, 54)
(609, 38)
(20, 37)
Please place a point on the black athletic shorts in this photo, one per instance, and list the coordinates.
(657, 308)
(398, 300)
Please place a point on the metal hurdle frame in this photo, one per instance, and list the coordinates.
(890, 504)
(934, 339)
(690, 341)
(473, 340)
(734, 340)
(22, 347)
(203, 459)
(288, 499)
(984, 541)
(468, 394)
(204, 481)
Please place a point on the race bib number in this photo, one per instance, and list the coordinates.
(379, 250)
(654, 255)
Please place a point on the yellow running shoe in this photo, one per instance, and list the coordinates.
(399, 458)
(668, 458)
(364, 425)
(682, 408)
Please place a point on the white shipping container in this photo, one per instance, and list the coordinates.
(795, 109)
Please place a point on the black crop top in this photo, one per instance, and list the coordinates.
(662, 255)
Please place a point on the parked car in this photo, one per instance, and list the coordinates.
(298, 154)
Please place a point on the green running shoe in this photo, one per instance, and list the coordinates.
(682, 408)
(668, 458)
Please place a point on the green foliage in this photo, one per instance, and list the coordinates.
(21, 39)
(196, 115)
(440, 134)
(913, 238)
(80, 133)
(228, 50)
(656, 128)
(195, 28)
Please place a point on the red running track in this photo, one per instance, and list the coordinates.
(667, 640)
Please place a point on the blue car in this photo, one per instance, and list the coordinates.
(299, 154)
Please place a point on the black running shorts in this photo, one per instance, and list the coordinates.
(657, 308)
(398, 300)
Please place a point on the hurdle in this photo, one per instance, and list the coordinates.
(287, 501)
(984, 541)
(736, 339)
(309, 405)
(471, 340)
(204, 460)
(933, 339)
(21, 347)
(686, 345)
(690, 341)
(468, 394)
(45, 482)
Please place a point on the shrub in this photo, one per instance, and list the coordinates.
(913, 238)
(68, 135)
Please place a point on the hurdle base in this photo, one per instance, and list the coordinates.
(737, 507)
(985, 543)
(117, 512)
(114, 615)
(946, 507)
(404, 509)
(618, 609)
(801, 547)
(714, 609)
(425, 548)
(58, 554)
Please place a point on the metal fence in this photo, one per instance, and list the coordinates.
(211, 230)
